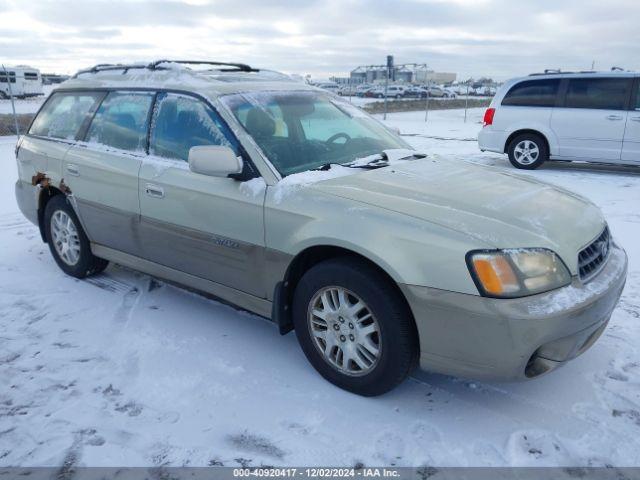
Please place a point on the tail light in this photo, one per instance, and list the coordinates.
(488, 117)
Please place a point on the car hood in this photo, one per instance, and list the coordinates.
(495, 208)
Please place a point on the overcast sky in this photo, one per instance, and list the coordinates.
(499, 38)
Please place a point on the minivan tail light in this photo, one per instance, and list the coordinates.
(488, 117)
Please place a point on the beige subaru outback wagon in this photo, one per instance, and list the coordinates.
(286, 201)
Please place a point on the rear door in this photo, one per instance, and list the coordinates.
(53, 132)
(102, 171)
(590, 123)
(631, 145)
(209, 227)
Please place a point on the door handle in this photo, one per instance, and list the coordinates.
(635, 119)
(73, 170)
(614, 117)
(154, 191)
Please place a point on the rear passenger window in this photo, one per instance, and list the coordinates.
(63, 114)
(598, 93)
(122, 121)
(533, 93)
(638, 98)
(182, 122)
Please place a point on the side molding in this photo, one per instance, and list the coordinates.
(254, 304)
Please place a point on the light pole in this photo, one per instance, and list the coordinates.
(426, 107)
(13, 105)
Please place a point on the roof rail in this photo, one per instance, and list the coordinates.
(157, 65)
(548, 71)
(560, 72)
(104, 67)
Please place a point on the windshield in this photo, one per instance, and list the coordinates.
(301, 131)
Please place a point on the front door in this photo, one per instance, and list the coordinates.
(591, 123)
(631, 145)
(102, 171)
(205, 226)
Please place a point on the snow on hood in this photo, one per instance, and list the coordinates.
(500, 210)
(291, 183)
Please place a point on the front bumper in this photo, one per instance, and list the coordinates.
(514, 339)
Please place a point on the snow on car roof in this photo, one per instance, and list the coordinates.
(178, 76)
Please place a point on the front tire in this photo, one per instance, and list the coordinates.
(528, 151)
(354, 327)
(67, 241)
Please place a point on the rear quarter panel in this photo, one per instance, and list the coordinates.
(510, 119)
(37, 155)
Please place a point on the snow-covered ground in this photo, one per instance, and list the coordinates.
(123, 370)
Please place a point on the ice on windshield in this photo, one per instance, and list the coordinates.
(303, 130)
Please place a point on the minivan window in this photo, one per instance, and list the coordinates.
(638, 97)
(181, 122)
(63, 114)
(122, 121)
(533, 93)
(598, 93)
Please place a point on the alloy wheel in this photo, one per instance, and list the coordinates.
(526, 152)
(344, 331)
(65, 237)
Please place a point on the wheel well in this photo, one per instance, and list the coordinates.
(520, 132)
(46, 194)
(305, 260)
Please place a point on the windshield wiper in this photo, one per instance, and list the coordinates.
(380, 160)
(377, 160)
(326, 166)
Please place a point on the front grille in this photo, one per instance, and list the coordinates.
(592, 258)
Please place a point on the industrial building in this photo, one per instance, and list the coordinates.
(406, 73)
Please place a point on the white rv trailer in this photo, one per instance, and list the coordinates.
(20, 81)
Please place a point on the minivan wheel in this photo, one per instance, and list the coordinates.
(528, 151)
(67, 241)
(354, 327)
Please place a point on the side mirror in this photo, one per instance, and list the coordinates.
(214, 161)
(395, 130)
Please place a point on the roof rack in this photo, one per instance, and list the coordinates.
(235, 67)
(157, 65)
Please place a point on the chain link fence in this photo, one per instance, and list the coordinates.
(420, 105)
(8, 123)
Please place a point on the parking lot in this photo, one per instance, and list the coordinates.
(122, 369)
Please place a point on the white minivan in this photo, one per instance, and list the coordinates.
(590, 116)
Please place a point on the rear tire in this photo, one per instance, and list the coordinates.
(371, 340)
(67, 241)
(528, 151)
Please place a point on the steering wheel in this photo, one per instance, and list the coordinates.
(333, 138)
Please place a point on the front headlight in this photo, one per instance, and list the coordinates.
(517, 272)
